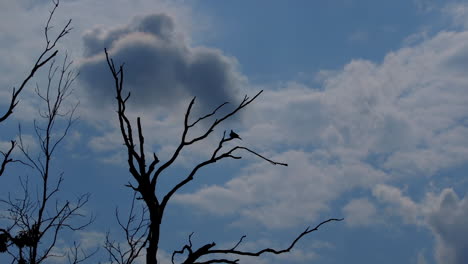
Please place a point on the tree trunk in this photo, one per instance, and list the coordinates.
(153, 237)
(151, 252)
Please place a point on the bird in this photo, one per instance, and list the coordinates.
(234, 135)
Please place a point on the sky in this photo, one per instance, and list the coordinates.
(367, 101)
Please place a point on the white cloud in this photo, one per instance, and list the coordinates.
(449, 225)
(369, 124)
(29, 142)
(360, 212)
(107, 142)
(162, 130)
(444, 214)
(283, 197)
(5, 145)
(91, 239)
(458, 12)
(403, 109)
(406, 208)
(87, 243)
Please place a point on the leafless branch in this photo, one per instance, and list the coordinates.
(135, 229)
(46, 55)
(214, 158)
(77, 255)
(6, 157)
(239, 242)
(185, 142)
(147, 177)
(37, 222)
(206, 250)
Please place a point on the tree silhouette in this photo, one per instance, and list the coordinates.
(47, 54)
(145, 233)
(35, 220)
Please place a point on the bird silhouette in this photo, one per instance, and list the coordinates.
(234, 135)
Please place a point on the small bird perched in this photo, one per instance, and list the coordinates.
(234, 135)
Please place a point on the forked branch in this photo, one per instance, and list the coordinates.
(46, 55)
(147, 177)
(214, 158)
(38, 219)
(206, 250)
(135, 229)
(185, 142)
(6, 157)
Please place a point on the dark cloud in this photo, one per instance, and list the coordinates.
(450, 226)
(160, 67)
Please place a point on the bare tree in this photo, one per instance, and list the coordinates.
(47, 54)
(37, 219)
(135, 230)
(23, 230)
(146, 172)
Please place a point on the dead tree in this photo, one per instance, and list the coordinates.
(47, 54)
(146, 172)
(27, 222)
(37, 219)
(135, 230)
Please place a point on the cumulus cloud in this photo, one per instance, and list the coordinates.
(458, 12)
(368, 124)
(449, 225)
(444, 214)
(404, 114)
(360, 212)
(404, 206)
(91, 239)
(161, 68)
(282, 197)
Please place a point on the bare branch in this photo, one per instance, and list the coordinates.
(207, 249)
(246, 101)
(46, 55)
(125, 125)
(6, 157)
(207, 115)
(40, 220)
(258, 155)
(135, 230)
(214, 158)
(147, 179)
(77, 255)
(238, 243)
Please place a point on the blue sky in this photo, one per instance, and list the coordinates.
(366, 100)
